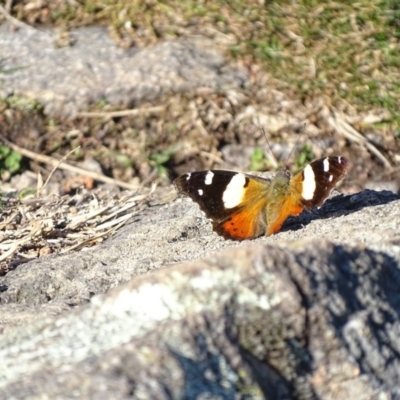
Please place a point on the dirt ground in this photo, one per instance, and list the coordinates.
(196, 130)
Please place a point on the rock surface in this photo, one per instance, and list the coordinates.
(95, 70)
(166, 308)
(273, 318)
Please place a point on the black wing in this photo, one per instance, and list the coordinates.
(326, 173)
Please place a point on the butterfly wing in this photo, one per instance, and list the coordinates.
(307, 189)
(314, 184)
(235, 202)
(245, 206)
(278, 212)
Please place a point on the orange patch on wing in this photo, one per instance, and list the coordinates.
(242, 225)
(290, 207)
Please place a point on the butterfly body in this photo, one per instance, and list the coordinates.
(243, 206)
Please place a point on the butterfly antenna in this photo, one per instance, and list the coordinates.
(270, 148)
(297, 141)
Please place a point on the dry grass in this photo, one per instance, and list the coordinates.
(31, 227)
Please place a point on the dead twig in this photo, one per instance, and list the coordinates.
(14, 248)
(119, 114)
(8, 5)
(340, 125)
(53, 170)
(15, 21)
(67, 167)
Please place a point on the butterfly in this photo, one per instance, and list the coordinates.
(243, 206)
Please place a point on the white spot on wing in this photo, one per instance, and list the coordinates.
(330, 179)
(200, 192)
(188, 176)
(308, 183)
(234, 192)
(326, 165)
(209, 178)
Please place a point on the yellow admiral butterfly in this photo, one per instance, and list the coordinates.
(243, 206)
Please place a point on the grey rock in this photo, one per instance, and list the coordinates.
(94, 69)
(274, 318)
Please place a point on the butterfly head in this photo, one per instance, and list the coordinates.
(281, 182)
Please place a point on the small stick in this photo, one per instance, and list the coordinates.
(54, 169)
(15, 21)
(340, 125)
(67, 167)
(8, 5)
(118, 114)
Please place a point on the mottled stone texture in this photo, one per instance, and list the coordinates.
(304, 321)
(67, 80)
(166, 309)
